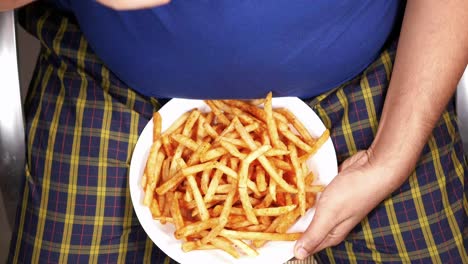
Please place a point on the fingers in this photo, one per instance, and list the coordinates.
(315, 234)
(357, 159)
(132, 4)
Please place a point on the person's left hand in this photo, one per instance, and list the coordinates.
(358, 188)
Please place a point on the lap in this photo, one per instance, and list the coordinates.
(82, 125)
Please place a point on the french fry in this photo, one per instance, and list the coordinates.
(198, 197)
(243, 177)
(299, 178)
(281, 164)
(205, 178)
(166, 144)
(175, 211)
(221, 117)
(297, 125)
(153, 179)
(276, 152)
(156, 126)
(260, 178)
(260, 235)
(288, 220)
(248, 250)
(274, 211)
(210, 130)
(196, 227)
(178, 123)
(284, 130)
(154, 208)
(252, 109)
(231, 148)
(314, 188)
(225, 245)
(214, 183)
(247, 205)
(271, 123)
(235, 141)
(255, 228)
(213, 154)
(185, 141)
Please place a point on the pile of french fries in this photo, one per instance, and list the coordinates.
(233, 178)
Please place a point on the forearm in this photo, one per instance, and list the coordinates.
(12, 4)
(431, 56)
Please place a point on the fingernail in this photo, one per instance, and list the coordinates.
(301, 253)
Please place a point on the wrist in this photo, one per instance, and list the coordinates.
(394, 168)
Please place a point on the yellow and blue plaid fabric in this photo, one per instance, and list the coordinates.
(83, 123)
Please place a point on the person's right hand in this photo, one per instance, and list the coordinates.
(132, 4)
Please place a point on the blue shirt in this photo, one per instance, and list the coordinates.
(240, 48)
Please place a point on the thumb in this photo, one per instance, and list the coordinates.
(315, 234)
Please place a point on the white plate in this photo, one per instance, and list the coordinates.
(323, 164)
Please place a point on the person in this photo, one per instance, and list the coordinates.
(401, 192)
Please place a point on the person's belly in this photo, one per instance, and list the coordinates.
(238, 49)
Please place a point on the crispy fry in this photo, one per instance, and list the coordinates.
(288, 220)
(260, 178)
(274, 211)
(281, 164)
(205, 178)
(156, 126)
(271, 123)
(221, 117)
(225, 245)
(299, 178)
(247, 205)
(198, 197)
(232, 149)
(284, 130)
(243, 177)
(314, 188)
(297, 125)
(196, 227)
(244, 247)
(235, 141)
(276, 152)
(166, 143)
(153, 178)
(214, 183)
(185, 141)
(175, 211)
(244, 106)
(213, 154)
(178, 123)
(260, 235)
(154, 208)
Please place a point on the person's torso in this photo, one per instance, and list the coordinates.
(237, 49)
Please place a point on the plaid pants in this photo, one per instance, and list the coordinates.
(83, 123)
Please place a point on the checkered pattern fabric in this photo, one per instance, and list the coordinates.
(83, 123)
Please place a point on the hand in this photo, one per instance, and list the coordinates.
(358, 188)
(132, 4)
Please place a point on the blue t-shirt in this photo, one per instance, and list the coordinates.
(240, 48)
